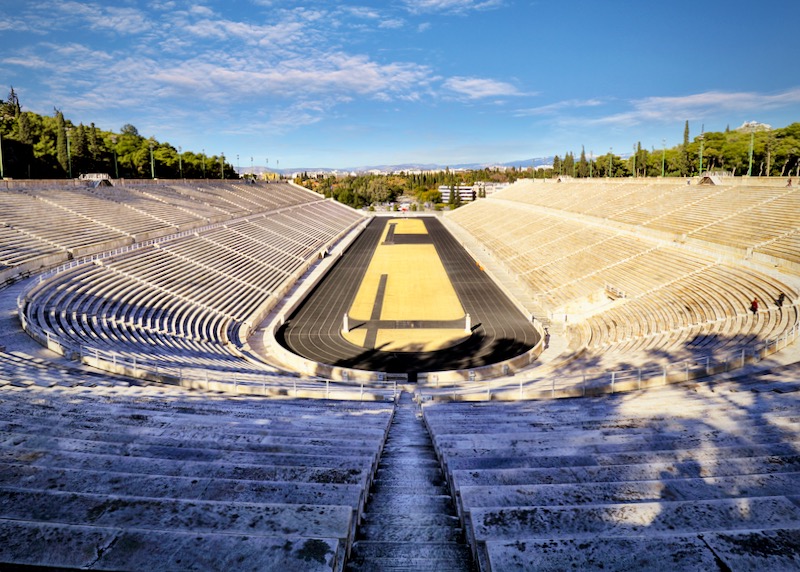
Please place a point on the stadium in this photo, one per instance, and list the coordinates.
(577, 374)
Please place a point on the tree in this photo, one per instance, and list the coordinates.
(568, 166)
(61, 141)
(129, 129)
(556, 165)
(583, 165)
(24, 134)
(685, 164)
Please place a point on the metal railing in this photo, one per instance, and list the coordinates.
(616, 381)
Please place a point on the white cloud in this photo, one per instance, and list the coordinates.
(698, 106)
(120, 20)
(479, 88)
(558, 106)
(450, 6)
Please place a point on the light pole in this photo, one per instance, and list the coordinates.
(180, 161)
(752, 140)
(238, 168)
(663, 155)
(152, 162)
(114, 147)
(69, 154)
(2, 175)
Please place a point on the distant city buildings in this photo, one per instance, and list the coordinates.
(469, 193)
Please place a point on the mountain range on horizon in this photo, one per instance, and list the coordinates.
(536, 162)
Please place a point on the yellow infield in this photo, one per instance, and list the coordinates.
(415, 288)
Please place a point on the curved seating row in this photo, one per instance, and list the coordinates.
(51, 224)
(646, 298)
(740, 215)
(175, 303)
(153, 478)
(703, 312)
(701, 476)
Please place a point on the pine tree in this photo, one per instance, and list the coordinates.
(24, 134)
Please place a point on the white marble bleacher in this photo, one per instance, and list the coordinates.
(160, 202)
(683, 473)
(567, 242)
(179, 303)
(692, 315)
(18, 247)
(56, 227)
(157, 478)
(110, 214)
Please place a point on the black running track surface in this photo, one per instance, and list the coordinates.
(500, 331)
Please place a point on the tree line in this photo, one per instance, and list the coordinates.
(39, 146)
(52, 147)
(753, 150)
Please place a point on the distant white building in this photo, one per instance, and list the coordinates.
(466, 193)
(469, 193)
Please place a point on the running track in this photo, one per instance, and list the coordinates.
(500, 331)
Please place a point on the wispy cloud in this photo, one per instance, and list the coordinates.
(450, 6)
(120, 20)
(559, 106)
(698, 106)
(480, 88)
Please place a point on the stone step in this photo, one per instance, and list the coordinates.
(251, 519)
(636, 472)
(59, 546)
(187, 488)
(529, 461)
(178, 456)
(602, 444)
(636, 519)
(158, 434)
(410, 533)
(396, 520)
(409, 521)
(411, 503)
(419, 487)
(102, 440)
(632, 491)
(440, 556)
(348, 471)
(749, 550)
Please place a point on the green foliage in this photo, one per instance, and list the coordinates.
(37, 146)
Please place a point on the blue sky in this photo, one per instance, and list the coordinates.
(347, 84)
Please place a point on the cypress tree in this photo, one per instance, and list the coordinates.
(61, 141)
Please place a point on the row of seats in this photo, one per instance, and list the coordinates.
(37, 223)
(688, 477)
(742, 216)
(646, 299)
(178, 303)
(156, 478)
(707, 312)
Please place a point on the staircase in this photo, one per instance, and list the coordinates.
(410, 521)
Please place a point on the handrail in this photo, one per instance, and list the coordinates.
(618, 380)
